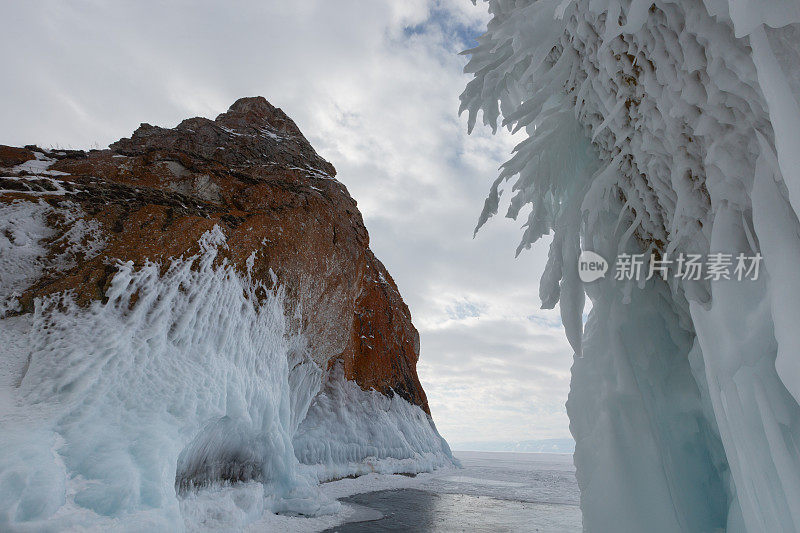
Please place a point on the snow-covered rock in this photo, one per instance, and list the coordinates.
(663, 128)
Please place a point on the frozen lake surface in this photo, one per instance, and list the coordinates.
(494, 492)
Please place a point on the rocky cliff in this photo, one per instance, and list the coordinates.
(252, 173)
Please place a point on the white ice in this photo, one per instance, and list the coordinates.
(669, 126)
(173, 402)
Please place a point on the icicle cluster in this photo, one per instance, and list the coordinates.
(663, 127)
(649, 111)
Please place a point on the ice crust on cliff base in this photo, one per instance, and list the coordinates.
(663, 127)
(351, 432)
(185, 378)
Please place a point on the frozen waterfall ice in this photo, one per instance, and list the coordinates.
(661, 128)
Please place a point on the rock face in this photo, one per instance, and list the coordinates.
(252, 173)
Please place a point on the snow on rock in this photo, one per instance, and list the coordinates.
(23, 226)
(24, 258)
(662, 128)
(168, 320)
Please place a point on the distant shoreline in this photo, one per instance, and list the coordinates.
(552, 445)
(513, 451)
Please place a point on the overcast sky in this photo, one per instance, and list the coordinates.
(374, 85)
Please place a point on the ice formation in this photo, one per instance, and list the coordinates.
(351, 432)
(185, 378)
(663, 127)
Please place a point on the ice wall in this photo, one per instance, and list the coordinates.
(663, 127)
(351, 432)
(184, 379)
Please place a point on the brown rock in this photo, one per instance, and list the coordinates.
(11, 156)
(252, 173)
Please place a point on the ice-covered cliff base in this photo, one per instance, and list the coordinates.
(185, 378)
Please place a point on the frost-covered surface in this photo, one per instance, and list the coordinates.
(349, 431)
(22, 226)
(663, 127)
(172, 404)
(26, 236)
(39, 166)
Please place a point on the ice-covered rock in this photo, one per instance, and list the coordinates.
(663, 128)
(169, 311)
(350, 432)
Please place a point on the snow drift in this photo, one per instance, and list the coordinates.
(662, 128)
(185, 377)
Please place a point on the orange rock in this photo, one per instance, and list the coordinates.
(253, 173)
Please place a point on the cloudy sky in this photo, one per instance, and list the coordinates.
(374, 85)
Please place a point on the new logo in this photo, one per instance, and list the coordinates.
(591, 266)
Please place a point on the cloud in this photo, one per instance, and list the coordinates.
(374, 86)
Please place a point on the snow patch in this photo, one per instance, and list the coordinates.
(39, 166)
(26, 239)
